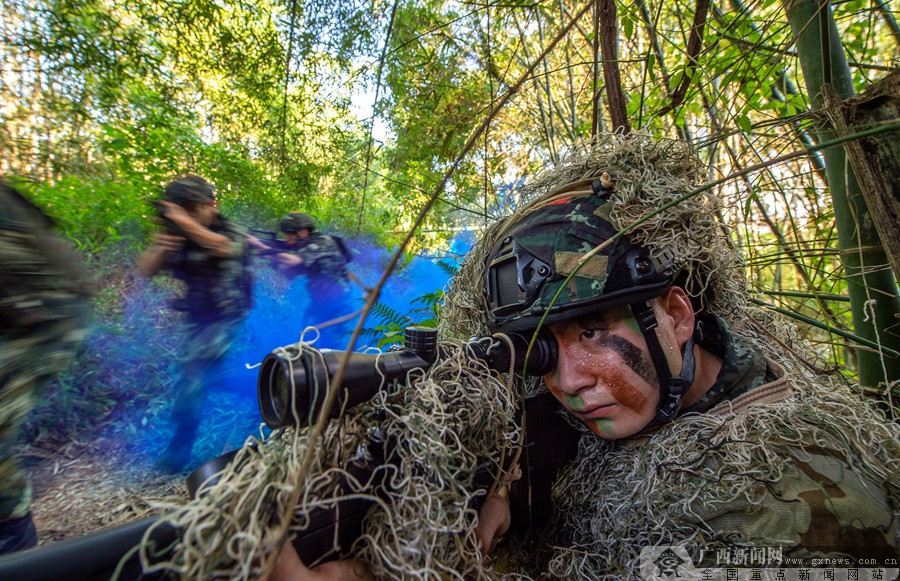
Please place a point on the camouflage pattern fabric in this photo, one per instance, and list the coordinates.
(44, 312)
(217, 300)
(218, 287)
(540, 257)
(326, 280)
(324, 265)
(744, 367)
(205, 347)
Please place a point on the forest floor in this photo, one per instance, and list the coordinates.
(87, 487)
(109, 477)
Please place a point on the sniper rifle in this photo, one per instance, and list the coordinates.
(291, 388)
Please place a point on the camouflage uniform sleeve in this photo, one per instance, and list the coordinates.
(237, 234)
(819, 505)
(43, 317)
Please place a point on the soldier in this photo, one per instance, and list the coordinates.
(319, 261)
(44, 312)
(211, 255)
(702, 425)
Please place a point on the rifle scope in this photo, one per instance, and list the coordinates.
(293, 384)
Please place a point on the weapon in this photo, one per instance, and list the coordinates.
(264, 234)
(275, 245)
(292, 394)
(291, 387)
(167, 223)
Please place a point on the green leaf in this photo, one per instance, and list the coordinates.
(628, 27)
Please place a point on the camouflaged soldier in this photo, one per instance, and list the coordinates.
(317, 261)
(44, 311)
(308, 253)
(695, 435)
(211, 255)
(702, 426)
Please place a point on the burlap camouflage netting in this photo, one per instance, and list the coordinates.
(455, 419)
(459, 416)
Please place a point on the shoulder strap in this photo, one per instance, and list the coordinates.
(342, 246)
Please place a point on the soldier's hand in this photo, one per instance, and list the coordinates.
(494, 518)
(289, 567)
(168, 209)
(168, 242)
(286, 259)
(179, 214)
(256, 243)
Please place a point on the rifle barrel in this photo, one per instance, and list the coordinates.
(93, 557)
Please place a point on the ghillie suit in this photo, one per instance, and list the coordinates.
(679, 484)
(791, 460)
(452, 423)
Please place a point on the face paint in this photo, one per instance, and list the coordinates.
(632, 324)
(625, 392)
(604, 377)
(634, 358)
(602, 427)
(574, 403)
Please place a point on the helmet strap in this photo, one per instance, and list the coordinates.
(671, 389)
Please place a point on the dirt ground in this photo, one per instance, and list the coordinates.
(86, 487)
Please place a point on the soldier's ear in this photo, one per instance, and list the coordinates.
(676, 303)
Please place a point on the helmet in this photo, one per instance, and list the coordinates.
(533, 274)
(296, 221)
(527, 275)
(190, 189)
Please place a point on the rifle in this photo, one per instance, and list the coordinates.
(292, 395)
(167, 223)
(270, 238)
(264, 234)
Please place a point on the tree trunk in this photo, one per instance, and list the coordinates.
(871, 285)
(875, 159)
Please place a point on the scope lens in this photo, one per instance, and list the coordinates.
(281, 395)
(273, 391)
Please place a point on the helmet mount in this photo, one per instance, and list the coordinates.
(514, 279)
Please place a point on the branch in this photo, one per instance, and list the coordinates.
(695, 43)
(318, 428)
(611, 77)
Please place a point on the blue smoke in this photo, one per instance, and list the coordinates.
(279, 316)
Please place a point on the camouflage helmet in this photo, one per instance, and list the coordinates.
(190, 189)
(527, 272)
(296, 221)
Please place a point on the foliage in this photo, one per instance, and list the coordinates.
(391, 324)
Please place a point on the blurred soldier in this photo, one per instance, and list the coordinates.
(210, 254)
(44, 308)
(321, 262)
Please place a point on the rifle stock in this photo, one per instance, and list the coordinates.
(93, 557)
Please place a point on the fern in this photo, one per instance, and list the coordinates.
(448, 267)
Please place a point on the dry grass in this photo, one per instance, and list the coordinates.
(86, 487)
